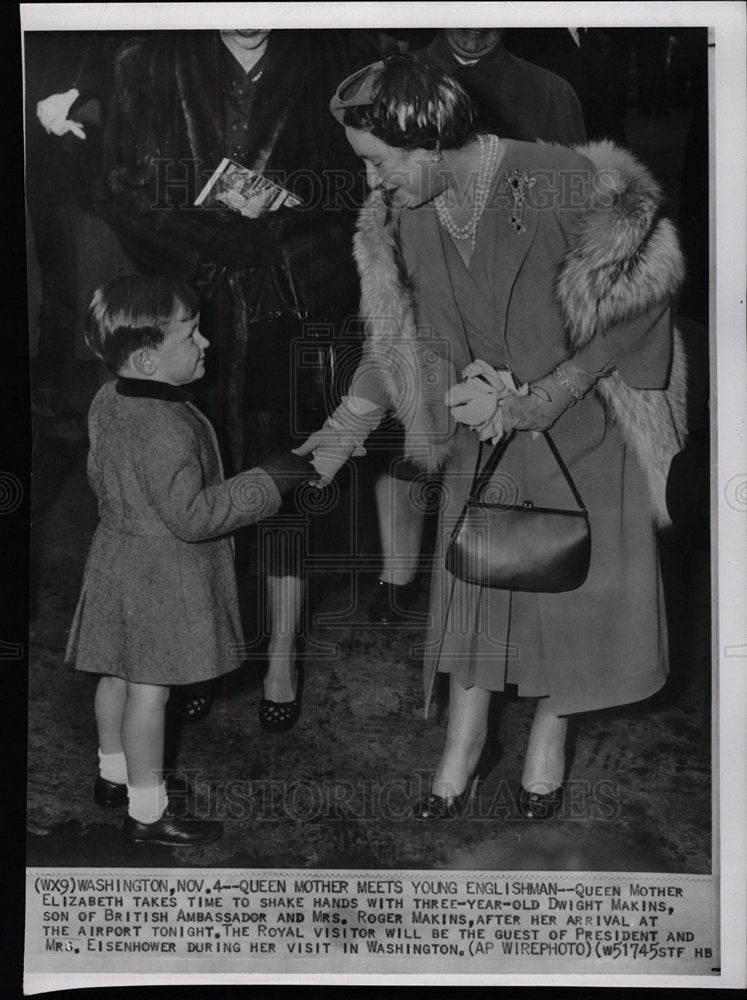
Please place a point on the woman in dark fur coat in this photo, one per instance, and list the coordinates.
(479, 255)
(183, 101)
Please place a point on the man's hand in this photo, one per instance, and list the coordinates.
(52, 113)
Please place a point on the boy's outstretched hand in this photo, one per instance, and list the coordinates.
(288, 470)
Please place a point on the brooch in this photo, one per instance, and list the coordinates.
(517, 185)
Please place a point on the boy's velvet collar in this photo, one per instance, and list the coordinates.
(146, 389)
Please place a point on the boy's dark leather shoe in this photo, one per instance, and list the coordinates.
(173, 832)
(112, 795)
(109, 794)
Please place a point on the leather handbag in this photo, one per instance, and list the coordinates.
(519, 546)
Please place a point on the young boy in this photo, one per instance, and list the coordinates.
(158, 604)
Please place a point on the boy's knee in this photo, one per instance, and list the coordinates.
(155, 695)
(112, 685)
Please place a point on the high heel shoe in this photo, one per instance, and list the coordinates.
(281, 716)
(533, 805)
(197, 705)
(438, 807)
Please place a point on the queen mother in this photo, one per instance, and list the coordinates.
(478, 254)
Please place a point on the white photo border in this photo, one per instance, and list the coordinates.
(729, 398)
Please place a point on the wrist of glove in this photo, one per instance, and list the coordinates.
(353, 421)
(538, 409)
(549, 397)
(342, 436)
(576, 381)
(328, 459)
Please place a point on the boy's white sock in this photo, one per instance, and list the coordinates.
(113, 767)
(147, 804)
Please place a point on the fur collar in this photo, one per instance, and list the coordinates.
(623, 258)
(625, 254)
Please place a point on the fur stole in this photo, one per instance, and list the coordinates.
(626, 257)
(403, 361)
(623, 258)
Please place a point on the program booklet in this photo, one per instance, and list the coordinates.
(244, 191)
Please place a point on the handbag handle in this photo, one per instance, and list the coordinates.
(482, 478)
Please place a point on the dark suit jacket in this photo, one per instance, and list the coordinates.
(515, 99)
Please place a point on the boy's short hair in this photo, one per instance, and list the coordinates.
(132, 312)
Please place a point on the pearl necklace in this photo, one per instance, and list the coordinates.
(488, 156)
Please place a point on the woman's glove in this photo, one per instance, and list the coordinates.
(476, 400)
(549, 397)
(341, 436)
(52, 113)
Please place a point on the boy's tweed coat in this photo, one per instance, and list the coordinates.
(158, 603)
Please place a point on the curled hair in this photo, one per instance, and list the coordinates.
(415, 105)
(132, 312)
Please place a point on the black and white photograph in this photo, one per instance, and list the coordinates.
(387, 495)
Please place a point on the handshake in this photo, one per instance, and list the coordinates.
(342, 436)
(287, 471)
